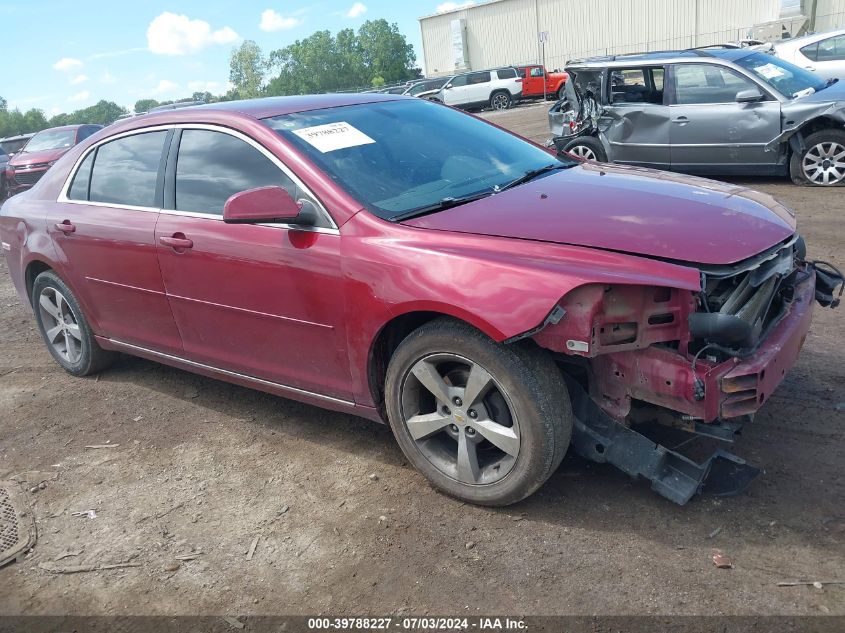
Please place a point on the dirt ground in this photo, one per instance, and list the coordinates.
(345, 525)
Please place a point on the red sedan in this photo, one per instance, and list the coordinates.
(398, 260)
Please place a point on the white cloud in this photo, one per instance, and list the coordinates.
(451, 6)
(357, 9)
(272, 21)
(165, 86)
(108, 78)
(79, 79)
(206, 86)
(80, 96)
(67, 63)
(171, 34)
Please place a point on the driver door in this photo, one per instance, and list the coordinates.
(710, 132)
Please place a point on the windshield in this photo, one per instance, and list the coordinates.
(398, 156)
(51, 139)
(788, 79)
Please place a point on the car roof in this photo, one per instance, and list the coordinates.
(809, 39)
(726, 53)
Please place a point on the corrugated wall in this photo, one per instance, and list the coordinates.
(505, 31)
(830, 14)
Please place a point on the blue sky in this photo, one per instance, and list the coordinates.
(61, 55)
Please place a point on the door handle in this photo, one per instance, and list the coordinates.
(681, 120)
(66, 227)
(178, 241)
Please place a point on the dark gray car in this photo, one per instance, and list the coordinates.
(705, 111)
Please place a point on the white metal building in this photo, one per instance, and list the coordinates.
(502, 32)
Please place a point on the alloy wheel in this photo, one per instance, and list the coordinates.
(460, 419)
(824, 163)
(582, 151)
(61, 325)
(500, 102)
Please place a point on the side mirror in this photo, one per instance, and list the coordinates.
(752, 95)
(268, 204)
(447, 86)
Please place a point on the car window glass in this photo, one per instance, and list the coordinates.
(506, 73)
(125, 170)
(708, 83)
(85, 132)
(460, 80)
(79, 188)
(536, 72)
(479, 78)
(831, 49)
(811, 51)
(213, 166)
(636, 85)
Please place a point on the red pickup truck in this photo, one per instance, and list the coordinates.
(533, 78)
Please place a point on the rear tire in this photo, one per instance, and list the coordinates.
(500, 100)
(586, 148)
(65, 329)
(822, 163)
(514, 394)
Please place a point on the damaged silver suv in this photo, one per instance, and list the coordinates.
(705, 111)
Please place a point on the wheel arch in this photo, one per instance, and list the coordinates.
(34, 268)
(398, 327)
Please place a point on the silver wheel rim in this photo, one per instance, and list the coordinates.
(824, 163)
(460, 419)
(582, 151)
(61, 327)
(500, 102)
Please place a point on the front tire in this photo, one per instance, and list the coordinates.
(484, 422)
(65, 329)
(822, 163)
(500, 100)
(587, 148)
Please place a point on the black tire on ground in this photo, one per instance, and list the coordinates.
(526, 377)
(587, 147)
(815, 146)
(501, 100)
(87, 356)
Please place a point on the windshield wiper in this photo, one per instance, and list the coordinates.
(531, 174)
(442, 205)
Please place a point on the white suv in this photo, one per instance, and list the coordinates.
(497, 89)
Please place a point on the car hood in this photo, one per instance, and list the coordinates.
(628, 209)
(836, 92)
(33, 158)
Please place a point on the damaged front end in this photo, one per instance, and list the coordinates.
(641, 357)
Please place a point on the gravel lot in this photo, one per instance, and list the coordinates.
(344, 525)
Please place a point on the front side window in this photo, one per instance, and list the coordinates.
(459, 81)
(400, 156)
(636, 85)
(50, 139)
(125, 170)
(536, 72)
(213, 166)
(708, 83)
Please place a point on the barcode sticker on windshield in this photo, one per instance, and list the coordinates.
(333, 136)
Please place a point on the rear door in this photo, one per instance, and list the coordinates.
(710, 131)
(104, 234)
(479, 87)
(637, 121)
(266, 301)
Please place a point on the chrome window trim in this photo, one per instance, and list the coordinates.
(63, 194)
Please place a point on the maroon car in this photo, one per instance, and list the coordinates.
(45, 148)
(401, 261)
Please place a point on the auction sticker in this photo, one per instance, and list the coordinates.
(333, 136)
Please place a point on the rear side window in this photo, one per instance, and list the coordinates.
(125, 171)
(831, 49)
(506, 73)
(636, 85)
(478, 78)
(79, 188)
(213, 166)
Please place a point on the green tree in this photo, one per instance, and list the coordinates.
(145, 105)
(3, 105)
(385, 51)
(246, 69)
